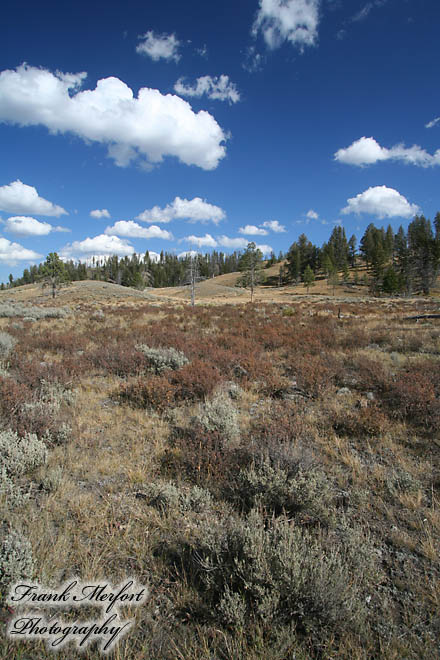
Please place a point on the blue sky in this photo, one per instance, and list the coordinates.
(200, 125)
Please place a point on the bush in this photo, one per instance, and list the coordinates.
(10, 493)
(203, 457)
(360, 422)
(304, 493)
(20, 455)
(16, 559)
(219, 414)
(167, 497)
(32, 313)
(414, 396)
(162, 359)
(7, 343)
(273, 573)
(155, 392)
(195, 381)
(52, 480)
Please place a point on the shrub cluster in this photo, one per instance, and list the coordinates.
(271, 572)
(304, 493)
(16, 559)
(20, 455)
(7, 343)
(167, 497)
(32, 312)
(162, 359)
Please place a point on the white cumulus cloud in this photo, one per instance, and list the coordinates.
(194, 210)
(202, 241)
(295, 21)
(149, 126)
(159, 46)
(217, 88)
(265, 249)
(274, 226)
(381, 202)
(99, 213)
(12, 253)
(367, 151)
(312, 215)
(241, 243)
(131, 229)
(252, 230)
(28, 226)
(98, 245)
(187, 253)
(19, 198)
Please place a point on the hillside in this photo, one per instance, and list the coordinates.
(219, 290)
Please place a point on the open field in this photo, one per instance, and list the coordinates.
(274, 479)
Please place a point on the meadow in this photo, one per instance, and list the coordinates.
(269, 471)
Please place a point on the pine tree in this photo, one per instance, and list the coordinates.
(308, 278)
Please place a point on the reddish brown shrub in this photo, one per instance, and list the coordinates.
(367, 373)
(20, 410)
(200, 456)
(151, 392)
(194, 381)
(414, 396)
(360, 422)
(313, 374)
(121, 359)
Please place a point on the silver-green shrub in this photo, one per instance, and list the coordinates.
(168, 498)
(58, 436)
(20, 455)
(11, 495)
(219, 414)
(52, 479)
(31, 312)
(54, 394)
(7, 343)
(161, 359)
(16, 559)
(272, 572)
(279, 490)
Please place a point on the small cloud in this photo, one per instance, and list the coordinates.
(237, 243)
(201, 241)
(217, 88)
(19, 198)
(274, 225)
(294, 21)
(366, 151)
(381, 202)
(99, 213)
(312, 215)
(103, 245)
(28, 226)
(194, 210)
(253, 60)
(203, 52)
(159, 46)
(131, 229)
(432, 123)
(252, 230)
(13, 253)
(188, 253)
